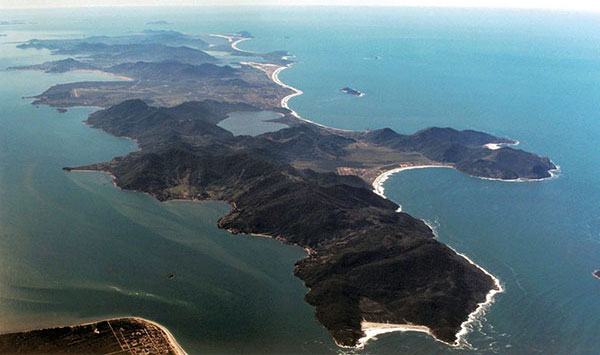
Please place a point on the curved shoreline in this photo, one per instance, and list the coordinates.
(234, 45)
(481, 307)
(232, 42)
(371, 330)
(296, 92)
(381, 178)
(274, 76)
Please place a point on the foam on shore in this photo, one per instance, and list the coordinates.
(372, 329)
(482, 307)
(381, 178)
(554, 173)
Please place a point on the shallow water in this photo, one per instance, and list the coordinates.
(73, 247)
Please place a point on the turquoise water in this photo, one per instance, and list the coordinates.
(73, 247)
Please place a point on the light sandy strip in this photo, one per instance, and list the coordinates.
(372, 329)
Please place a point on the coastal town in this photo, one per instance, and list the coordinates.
(133, 336)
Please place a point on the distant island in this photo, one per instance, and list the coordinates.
(368, 267)
(12, 22)
(351, 91)
(159, 22)
(596, 274)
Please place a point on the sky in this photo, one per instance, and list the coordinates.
(571, 5)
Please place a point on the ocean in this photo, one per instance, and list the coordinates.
(73, 248)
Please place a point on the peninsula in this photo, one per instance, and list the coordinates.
(367, 265)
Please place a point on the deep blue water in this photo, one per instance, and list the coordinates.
(529, 75)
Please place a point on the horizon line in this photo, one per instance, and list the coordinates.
(525, 8)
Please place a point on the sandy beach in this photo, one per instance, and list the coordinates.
(178, 349)
(234, 44)
(120, 77)
(273, 70)
(296, 92)
(379, 180)
(372, 329)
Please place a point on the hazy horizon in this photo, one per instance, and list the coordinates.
(575, 5)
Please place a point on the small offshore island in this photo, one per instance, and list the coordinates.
(596, 274)
(369, 268)
(351, 91)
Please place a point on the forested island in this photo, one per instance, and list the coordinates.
(306, 184)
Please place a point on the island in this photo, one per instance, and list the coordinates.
(368, 267)
(596, 274)
(351, 91)
(111, 336)
(158, 23)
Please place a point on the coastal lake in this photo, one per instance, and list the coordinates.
(74, 248)
(251, 123)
